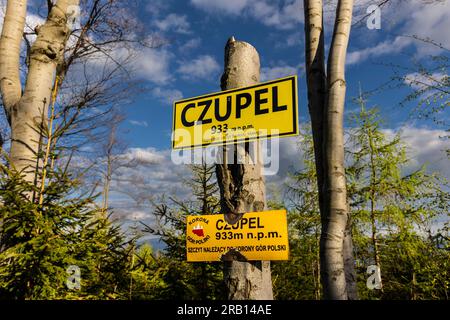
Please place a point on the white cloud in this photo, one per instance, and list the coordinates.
(144, 63)
(383, 48)
(138, 123)
(421, 81)
(153, 65)
(167, 96)
(190, 44)
(426, 146)
(136, 215)
(175, 22)
(277, 72)
(143, 156)
(203, 67)
(132, 187)
(221, 6)
(156, 7)
(31, 22)
(428, 21)
(410, 18)
(285, 16)
(279, 14)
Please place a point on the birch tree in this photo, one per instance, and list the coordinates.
(326, 97)
(26, 109)
(91, 60)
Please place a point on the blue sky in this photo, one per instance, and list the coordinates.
(191, 62)
(196, 31)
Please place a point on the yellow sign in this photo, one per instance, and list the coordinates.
(257, 236)
(264, 110)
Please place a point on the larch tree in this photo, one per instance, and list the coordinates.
(394, 209)
(326, 98)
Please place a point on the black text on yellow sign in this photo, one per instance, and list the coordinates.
(257, 236)
(264, 110)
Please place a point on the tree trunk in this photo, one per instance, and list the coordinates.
(316, 82)
(326, 96)
(335, 219)
(29, 111)
(11, 38)
(242, 186)
(109, 164)
(373, 182)
(318, 288)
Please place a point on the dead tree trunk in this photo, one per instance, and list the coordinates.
(242, 186)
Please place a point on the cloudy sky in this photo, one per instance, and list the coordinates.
(191, 61)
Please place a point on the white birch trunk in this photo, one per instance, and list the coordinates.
(335, 220)
(326, 96)
(11, 38)
(29, 110)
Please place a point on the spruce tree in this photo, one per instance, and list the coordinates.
(55, 241)
(182, 279)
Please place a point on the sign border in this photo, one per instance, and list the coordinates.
(241, 140)
(269, 212)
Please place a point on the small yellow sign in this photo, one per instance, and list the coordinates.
(257, 236)
(263, 110)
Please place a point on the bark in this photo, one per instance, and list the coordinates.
(12, 32)
(349, 263)
(242, 186)
(316, 82)
(376, 250)
(29, 111)
(334, 220)
(373, 182)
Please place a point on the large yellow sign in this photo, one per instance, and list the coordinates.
(257, 236)
(264, 110)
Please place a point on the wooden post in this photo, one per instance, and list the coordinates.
(242, 186)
